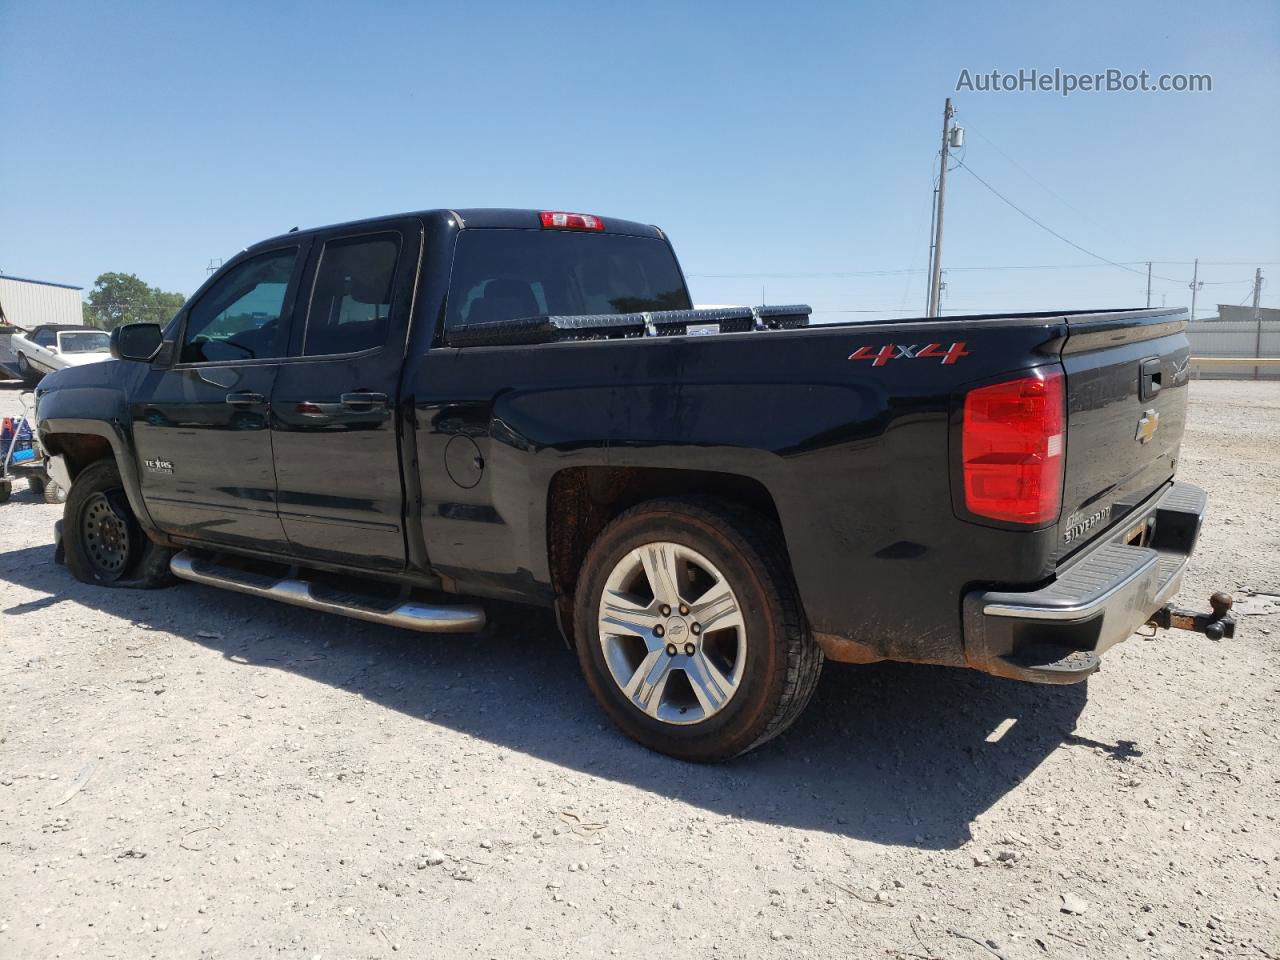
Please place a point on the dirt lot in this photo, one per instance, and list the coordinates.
(191, 773)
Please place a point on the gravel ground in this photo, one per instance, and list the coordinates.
(193, 773)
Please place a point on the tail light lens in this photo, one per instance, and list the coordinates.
(1014, 448)
(552, 220)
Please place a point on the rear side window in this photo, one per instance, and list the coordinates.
(506, 274)
(351, 302)
(239, 317)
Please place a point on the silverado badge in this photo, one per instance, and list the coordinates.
(1147, 426)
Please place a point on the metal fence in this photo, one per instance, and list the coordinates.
(1234, 338)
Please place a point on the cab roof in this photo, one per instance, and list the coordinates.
(476, 218)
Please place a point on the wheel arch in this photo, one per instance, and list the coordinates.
(81, 442)
(581, 502)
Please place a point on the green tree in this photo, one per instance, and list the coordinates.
(118, 298)
(165, 305)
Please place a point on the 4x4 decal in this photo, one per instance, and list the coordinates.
(900, 351)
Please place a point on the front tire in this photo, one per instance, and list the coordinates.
(689, 630)
(103, 541)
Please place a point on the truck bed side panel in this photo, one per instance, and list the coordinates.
(854, 454)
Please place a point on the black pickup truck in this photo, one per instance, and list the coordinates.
(382, 418)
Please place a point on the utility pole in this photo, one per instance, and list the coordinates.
(1148, 284)
(1195, 287)
(935, 277)
(1257, 316)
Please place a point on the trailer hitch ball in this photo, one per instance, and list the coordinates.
(1216, 625)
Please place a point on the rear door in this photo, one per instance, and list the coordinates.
(334, 428)
(201, 426)
(1126, 410)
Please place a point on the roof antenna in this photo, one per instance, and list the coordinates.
(294, 230)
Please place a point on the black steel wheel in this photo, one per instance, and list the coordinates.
(106, 537)
(103, 542)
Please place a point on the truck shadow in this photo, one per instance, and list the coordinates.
(887, 753)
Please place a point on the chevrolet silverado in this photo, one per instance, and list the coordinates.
(396, 418)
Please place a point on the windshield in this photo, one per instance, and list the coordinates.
(83, 341)
(505, 274)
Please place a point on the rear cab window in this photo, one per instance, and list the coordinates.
(506, 274)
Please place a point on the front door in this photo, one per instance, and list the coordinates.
(201, 426)
(334, 427)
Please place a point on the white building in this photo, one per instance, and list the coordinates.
(29, 303)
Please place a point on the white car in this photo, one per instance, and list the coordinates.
(51, 347)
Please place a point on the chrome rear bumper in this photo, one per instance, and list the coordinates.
(1056, 633)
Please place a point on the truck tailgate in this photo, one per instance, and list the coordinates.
(1126, 409)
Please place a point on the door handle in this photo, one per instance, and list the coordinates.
(245, 398)
(363, 401)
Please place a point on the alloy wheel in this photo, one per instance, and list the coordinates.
(672, 633)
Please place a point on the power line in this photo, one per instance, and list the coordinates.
(849, 274)
(1051, 231)
(1032, 177)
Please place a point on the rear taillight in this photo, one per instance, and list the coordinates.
(1013, 449)
(570, 221)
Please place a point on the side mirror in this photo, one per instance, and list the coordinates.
(136, 341)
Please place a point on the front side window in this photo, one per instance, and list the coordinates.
(351, 300)
(507, 274)
(240, 316)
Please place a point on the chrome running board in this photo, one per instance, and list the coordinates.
(409, 614)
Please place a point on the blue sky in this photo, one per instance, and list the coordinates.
(778, 144)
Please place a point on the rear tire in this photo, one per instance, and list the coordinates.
(36, 485)
(6, 488)
(54, 493)
(26, 371)
(103, 541)
(712, 660)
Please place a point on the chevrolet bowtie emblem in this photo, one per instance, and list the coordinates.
(1147, 426)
